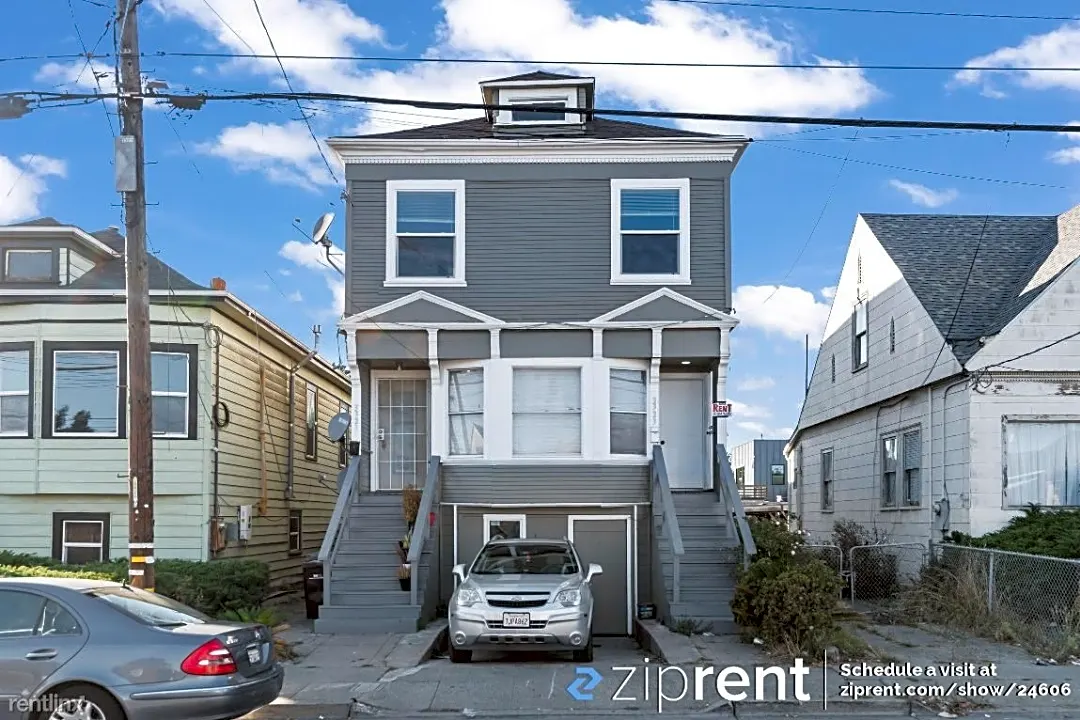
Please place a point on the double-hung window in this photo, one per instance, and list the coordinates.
(29, 266)
(547, 412)
(860, 340)
(827, 479)
(650, 232)
(170, 377)
(901, 478)
(1042, 462)
(466, 410)
(86, 393)
(15, 378)
(425, 234)
(311, 423)
(628, 415)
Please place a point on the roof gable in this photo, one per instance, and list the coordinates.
(968, 271)
(665, 306)
(421, 307)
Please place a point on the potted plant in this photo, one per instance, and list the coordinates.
(410, 504)
(405, 576)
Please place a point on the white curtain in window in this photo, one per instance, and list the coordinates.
(466, 404)
(1042, 463)
(547, 411)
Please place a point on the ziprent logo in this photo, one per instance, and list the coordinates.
(586, 681)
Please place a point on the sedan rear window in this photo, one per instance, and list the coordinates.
(151, 608)
(525, 559)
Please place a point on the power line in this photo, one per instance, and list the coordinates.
(288, 82)
(896, 67)
(871, 11)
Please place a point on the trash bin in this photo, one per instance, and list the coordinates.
(313, 587)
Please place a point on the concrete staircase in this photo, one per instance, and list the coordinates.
(363, 593)
(711, 553)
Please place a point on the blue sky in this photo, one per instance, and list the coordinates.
(226, 183)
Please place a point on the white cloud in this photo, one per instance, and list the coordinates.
(741, 410)
(1069, 155)
(752, 384)
(79, 75)
(1058, 48)
(787, 311)
(312, 257)
(23, 183)
(531, 31)
(924, 196)
(286, 153)
(285, 272)
(753, 430)
(295, 296)
(828, 292)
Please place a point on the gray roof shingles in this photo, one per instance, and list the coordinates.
(480, 128)
(935, 253)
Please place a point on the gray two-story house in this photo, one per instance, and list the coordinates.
(538, 311)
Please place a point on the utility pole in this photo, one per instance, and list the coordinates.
(131, 182)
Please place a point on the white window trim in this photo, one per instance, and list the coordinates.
(39, 251)
(447, 368)
(498, 411)
(488, 519)
(19, 393)
(393, 187)
(680, 278)
(605, 392)
(184, 434)
(299, 534)
(529, 96)
(64, 544)
(52, 410)
(373, 414)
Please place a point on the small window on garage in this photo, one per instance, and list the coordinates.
(503, 527)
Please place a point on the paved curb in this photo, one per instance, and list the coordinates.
(671, 648)
(301, 712)
(417, 647)
(860, 708)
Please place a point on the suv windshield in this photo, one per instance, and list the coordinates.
(525, 559)
(151, 608)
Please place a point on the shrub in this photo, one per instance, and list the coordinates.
(876, 575)
(211, 587)
(786, 597)
(1055, 533)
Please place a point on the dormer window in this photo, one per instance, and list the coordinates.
(539, 111)
(538, 106)
(29, 265)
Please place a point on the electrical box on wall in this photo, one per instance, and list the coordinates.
(245, 522)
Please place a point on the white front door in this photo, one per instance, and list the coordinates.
(400, 430)
(683, 430)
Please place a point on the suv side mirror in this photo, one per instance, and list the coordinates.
(459, 572)
(594, 570)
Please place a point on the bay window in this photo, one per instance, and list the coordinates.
(547, 412)
(466, 409)
(15, 380)
(1042, 462)
(86, 397)
(628, 412)
(170, 393)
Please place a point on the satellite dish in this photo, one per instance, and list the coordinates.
(322, 226)
(338, 426)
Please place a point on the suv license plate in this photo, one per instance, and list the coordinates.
(254, 656)
(516, 620)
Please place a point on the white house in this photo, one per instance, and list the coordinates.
(946, 393)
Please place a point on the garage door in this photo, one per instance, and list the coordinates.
(605, 540)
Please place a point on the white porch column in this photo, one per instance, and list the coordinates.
(721, 383)
(438, 414)
(357, 401)
(654, 387)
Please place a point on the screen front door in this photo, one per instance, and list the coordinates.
(683, 430)
(401, 431)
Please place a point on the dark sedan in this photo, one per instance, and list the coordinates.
(91, 650)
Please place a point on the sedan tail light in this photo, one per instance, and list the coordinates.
(210, 658)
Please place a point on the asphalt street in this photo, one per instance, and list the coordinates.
(740, 714)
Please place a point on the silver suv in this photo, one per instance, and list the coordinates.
(523, 594)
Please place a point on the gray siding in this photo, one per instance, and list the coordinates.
(464, 344)
(392, 345)
(538, 237)
(627, 344)
(766, 454)
(546, 343)
(678, 344)
(423, 311)
(545, 483)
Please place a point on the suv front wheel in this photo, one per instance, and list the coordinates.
(585, 654)
(460, 656)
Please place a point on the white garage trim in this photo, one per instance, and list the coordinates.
(488, 519)
(571, 519)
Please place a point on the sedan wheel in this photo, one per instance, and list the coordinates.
(83, 702)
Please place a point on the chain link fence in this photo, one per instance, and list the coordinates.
(878, 573)
(1034, 589)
